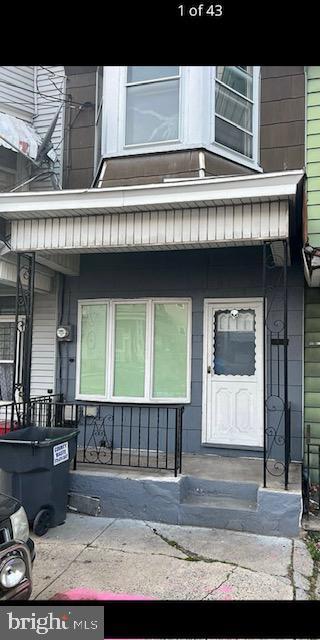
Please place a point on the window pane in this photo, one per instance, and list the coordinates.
(152, 112)
(98, 140)
(99, 86)
(234, 138)
(234, 108)
(139, 74)
(7, 341)
(170, 350)
(238, 78)
(129, 357)
(6, 380)
(93, 349)
(234, 344)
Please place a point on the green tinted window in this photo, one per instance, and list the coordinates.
(93, 349)
(129, 357)
(170, 350)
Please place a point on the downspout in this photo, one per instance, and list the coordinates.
(35, 89)
(202, 165)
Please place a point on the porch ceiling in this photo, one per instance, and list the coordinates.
(197, 213)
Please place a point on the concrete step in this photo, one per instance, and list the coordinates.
(202, 487)
(219, 501)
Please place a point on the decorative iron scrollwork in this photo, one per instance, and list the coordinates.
(21, 408)
(98, 447)
(277, 408)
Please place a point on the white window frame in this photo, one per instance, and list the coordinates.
(157, 145)
(98, 114)
(18, 373)
(236, 156)
(196, 116)
(149, 350)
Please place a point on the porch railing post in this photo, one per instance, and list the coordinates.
(287, 434)
(264, 287)
(178, 441)
(15, 358)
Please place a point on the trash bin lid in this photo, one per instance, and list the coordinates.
(26, 434)
(42, 435)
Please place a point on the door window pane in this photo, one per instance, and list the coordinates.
(234, 343)
(129, 357)
(139, 74)
(170, 350)
(152, 112)
(93, 349)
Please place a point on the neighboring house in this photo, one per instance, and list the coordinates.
(176, 241)
(312, 263)
(32, 103)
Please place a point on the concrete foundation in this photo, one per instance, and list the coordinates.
(188, 500)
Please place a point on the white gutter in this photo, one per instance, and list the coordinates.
(229, 188)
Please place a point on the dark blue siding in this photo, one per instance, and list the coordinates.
(199, 274)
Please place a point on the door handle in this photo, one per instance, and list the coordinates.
(208, 369)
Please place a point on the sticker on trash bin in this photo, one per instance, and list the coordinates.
(60, 453)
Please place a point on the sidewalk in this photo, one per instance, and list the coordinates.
(170, 562)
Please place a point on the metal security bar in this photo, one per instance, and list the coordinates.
(277, 427)
(23, 337)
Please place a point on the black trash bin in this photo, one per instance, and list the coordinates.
(35, 463)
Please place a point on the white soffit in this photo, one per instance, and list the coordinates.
(208, 192)
(152, 230)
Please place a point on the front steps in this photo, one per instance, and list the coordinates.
(226, 504)
(191, 500)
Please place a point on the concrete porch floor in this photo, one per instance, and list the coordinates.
(210, 467)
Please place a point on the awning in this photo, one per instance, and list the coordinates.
(19, 136)
(210, 212)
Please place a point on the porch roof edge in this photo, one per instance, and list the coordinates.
(190, 194)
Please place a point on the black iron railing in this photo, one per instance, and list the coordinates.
(14, 415)
(140, 436)
(277, 410)
(311, 475)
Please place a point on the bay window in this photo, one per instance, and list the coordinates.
(234, 109)
(134, 350)
(167, 108)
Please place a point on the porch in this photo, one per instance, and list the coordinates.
(180, 340)
(206, 466)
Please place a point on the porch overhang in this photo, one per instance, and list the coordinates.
(210, 212)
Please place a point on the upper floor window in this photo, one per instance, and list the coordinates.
(152, 105)
(234, 108)
(172, 108)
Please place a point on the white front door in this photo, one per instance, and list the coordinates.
(233, 372)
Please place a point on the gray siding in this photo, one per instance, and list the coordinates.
(197, 274)
(34, 94)
(17, 91)
(44, 343)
